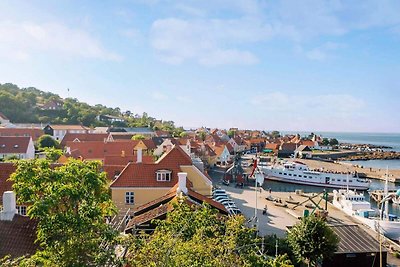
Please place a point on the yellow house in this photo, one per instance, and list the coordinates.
(140, 182)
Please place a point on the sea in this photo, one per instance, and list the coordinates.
(383, 139)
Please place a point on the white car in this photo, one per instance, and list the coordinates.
(220, 198)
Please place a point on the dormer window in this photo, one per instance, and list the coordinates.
(164, 175)
(15, 146)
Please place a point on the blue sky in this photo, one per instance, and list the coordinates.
(286, 65)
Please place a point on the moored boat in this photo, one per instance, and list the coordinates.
(299, 173)
(355, 205)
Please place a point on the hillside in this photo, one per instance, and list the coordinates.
(31, 105)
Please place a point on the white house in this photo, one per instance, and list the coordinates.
(21, 147)
(223, 155)
(59, 131)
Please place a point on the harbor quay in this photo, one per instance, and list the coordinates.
(276, 220)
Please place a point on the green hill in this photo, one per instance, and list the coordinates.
(30, 105)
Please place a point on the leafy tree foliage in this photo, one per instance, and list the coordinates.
(231, 133)
(198, 238)
(333, 142)
(325, 142)
(275, 134)
(52, 154)
(138, 137)
(46, 141)
(202, 135)
(24, 105)
(70, 204)
(312, 240)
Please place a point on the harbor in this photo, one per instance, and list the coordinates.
(276, 207)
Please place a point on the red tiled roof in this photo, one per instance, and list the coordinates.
(12, 144)
(307, 143)
(84, 137)
(35, 133)
(272, 146)
(149, 143)
(123, 160)
(112, 171)
(6, 169)
(161, 206)
(144, 174)
(161, 133)
(17, 237)
(98, 150)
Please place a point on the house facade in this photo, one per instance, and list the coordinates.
(140, 182)
(19, 147)
(59, 131)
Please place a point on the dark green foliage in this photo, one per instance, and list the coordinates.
(312, 240)
(46, 141)
(70, 203)
(333, 142)
(24, 105)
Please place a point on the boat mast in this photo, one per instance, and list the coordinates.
(386, 192)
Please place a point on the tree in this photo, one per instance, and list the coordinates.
(183, 134)
(202, 135)
(325, 142)
(275, 134)
(333, 142)
(52, 154)
(312, 240)
(47, 141)
(70, 204)
(193, 236)
(231, 133)
(138, 137)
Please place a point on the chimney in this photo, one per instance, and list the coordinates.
(9, 204)
(139, 156)
(123, 153)
(68, 150)
(182, 183)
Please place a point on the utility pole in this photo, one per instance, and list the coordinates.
(276, 248)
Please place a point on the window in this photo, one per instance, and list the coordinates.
(129, 197)
(21, 210)
(295, 175)
(300, 175)
(285, 173)
(290, 174)
(280, 173)
(350, 181)
(164, 175)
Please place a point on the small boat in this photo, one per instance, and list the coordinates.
(278, 202)
(290, 200)
(270, 198)
(310, 206)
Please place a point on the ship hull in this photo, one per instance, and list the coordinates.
(285, 180)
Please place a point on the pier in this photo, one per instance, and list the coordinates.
(378, 195)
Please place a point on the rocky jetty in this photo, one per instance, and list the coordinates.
(379, 155)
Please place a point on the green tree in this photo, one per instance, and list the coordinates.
(47, 141)
(275, 134)
(312, 240)
(231, 133)
(325, 142)
(333, 142)
(183, 134)
(138, 137)
(70, 204)
(52, 154)
(198, 237)
(202, 135)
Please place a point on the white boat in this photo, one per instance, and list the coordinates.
(299, 173)
(355, 205)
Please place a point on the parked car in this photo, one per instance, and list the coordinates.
(217, 191)
(234, 211)
(220, 198)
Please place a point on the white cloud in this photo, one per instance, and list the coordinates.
(334, 104)
(208, 42)
(23, 39)
(159, 96)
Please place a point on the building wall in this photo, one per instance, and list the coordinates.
(30, 153)
(160, 149)
(201, 184)
(142, 195)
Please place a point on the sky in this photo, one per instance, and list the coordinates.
(274, 65)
